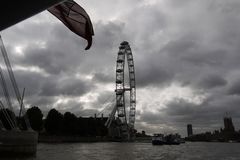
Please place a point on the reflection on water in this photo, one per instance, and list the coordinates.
(137, 151)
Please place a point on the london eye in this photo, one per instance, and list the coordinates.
(125, 113)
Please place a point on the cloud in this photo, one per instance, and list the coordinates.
(211, 81)
(189, 44)
(234, 89)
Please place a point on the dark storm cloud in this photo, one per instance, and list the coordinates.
(152, 75)
(203, 56)
(59, 65)
(43, 58)
(51, 58)
(204, 117)
(191, 43)
(103, 77)
(31, 81)
(234, 89)
(207, 113)
(37, 84)
(43, 102)
(25, 79)
(211, 81)
(178, 4)
(68, 87)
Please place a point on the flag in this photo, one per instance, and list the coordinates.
(75, 18)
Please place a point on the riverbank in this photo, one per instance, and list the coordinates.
(214, 141)
(69, 139)
(43, 138)
(143, 139)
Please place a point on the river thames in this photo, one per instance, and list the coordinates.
(138, 151)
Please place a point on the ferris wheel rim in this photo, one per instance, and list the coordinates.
(125, 53)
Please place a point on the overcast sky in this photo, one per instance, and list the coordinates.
(186, 55)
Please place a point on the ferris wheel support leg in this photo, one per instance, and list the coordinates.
(110, 118)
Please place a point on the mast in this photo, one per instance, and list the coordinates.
(5, 90)
(21, 106)
(13, 80)
(7, 116)
(7, 97)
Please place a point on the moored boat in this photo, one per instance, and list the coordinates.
(16, 137)
(172, 139)
(158, 139)
(182, 140)
(18, 143)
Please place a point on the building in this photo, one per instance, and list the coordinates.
(228, 125)
(189, 130)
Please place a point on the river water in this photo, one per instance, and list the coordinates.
(138, 151)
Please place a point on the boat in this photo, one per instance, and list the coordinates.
(16, 135)
(182, 140)
(15, 139)
(158, 139)
(172, 139)
(17, 143)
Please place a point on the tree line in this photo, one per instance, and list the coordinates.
(57, 123)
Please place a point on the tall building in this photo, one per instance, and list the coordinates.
(228, 125)
(189, 130)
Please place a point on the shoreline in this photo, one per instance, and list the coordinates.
(84, 139)
(69, 139)
(92, 139)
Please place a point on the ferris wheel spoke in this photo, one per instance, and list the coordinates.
(124, 54)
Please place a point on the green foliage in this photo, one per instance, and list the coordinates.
(35, 118)
(54, 122)
(70, 125)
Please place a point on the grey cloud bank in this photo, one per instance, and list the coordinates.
(193, 44)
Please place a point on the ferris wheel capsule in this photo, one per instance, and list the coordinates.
(125, 54)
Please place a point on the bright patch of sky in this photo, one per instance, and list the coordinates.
(153, 99)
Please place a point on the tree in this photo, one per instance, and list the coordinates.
(91, 126)
(82, 126)
(35, 118)
(54, 122)
(70, 123)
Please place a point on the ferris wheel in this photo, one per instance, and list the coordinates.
(125, 113)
